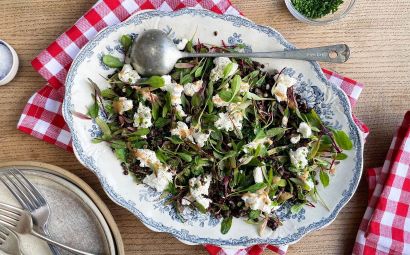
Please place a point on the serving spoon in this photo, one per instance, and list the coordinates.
(153, 53)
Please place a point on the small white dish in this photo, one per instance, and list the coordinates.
(11, 69)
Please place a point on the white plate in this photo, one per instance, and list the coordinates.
(74, 220)
(330, 102)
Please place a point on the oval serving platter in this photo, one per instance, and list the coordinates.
(327, 99)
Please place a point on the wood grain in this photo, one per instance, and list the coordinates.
(377, 32)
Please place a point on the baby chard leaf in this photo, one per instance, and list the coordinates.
(324, 178)
(104, 128)
(343, 140)
(185, 156)
(226, 225)
(112, 61)
(296, 208)
(255, 187)
(126, 41)
(93, 110)
(154, 81)
(341, 156)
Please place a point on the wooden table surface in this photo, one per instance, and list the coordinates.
(378, 33)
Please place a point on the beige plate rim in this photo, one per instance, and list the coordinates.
(83, 186)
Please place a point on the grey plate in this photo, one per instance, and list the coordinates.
(75, 220)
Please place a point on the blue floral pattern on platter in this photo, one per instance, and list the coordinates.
(184, 234)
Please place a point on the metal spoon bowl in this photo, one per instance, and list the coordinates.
(153, 53)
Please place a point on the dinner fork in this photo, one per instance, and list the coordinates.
(20, 221)
(9, 242)
(30, 199)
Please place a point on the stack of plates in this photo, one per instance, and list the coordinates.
(78, 217)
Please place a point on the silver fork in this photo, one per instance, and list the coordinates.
(30, 199)
(9, 242)
(20, 221)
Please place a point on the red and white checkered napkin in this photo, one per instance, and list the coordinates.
(385, 228)
(42, 116)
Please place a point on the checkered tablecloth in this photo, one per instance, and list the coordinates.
(42, 115)
(385, 228)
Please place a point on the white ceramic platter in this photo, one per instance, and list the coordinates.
(328, 100)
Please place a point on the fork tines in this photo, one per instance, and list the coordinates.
(9, 215)
(22, 189)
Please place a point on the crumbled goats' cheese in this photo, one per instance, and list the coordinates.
(285, 121)
(174, 89)
(128, 75)
(122, 105)
(295, 139)
(218, 102)
(191, 88)
(258, 175)
(229, 121)
(182, 131)
(159, 181)
(218, 71)
(244, 87)
(200, 138)
(256, 143)
(180, 111)
(181, 44)
(142, 118)
(258, 201)
(298, 158)
(198, 189)
(305, 130)
(283, 82)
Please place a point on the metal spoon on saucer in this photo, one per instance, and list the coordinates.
(153, 53)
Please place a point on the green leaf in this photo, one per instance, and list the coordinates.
(112, 61)
(93, 110)
(126, 41)
(314, 119)
(141, 132)
(275, 132)
(186, 79)
(296, 208)
(315, 149)
(324, 178)
(155, 111)
(185, 156)
(225, 95)
(282, 183)
(139, 144)
(255, 187)
(104, 127)
(161, 122)
(154, 81)
(254, 214)
(341, 156)
(228, 68)
(200, 207)
(235, 86)
(175, 139)
(343, 140)
(161, 156)
(196, 100)
(198, 71)
(121, 154)
(118, 144)
(226, 225)
(108, 93)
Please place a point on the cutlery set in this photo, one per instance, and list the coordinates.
(30, 220)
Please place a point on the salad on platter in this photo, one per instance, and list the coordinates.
(221, 136)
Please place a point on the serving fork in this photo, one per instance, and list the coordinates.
(9, 242)
(20, 221)
(30, 199)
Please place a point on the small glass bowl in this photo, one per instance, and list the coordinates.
(14, 65)
(342, 11)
